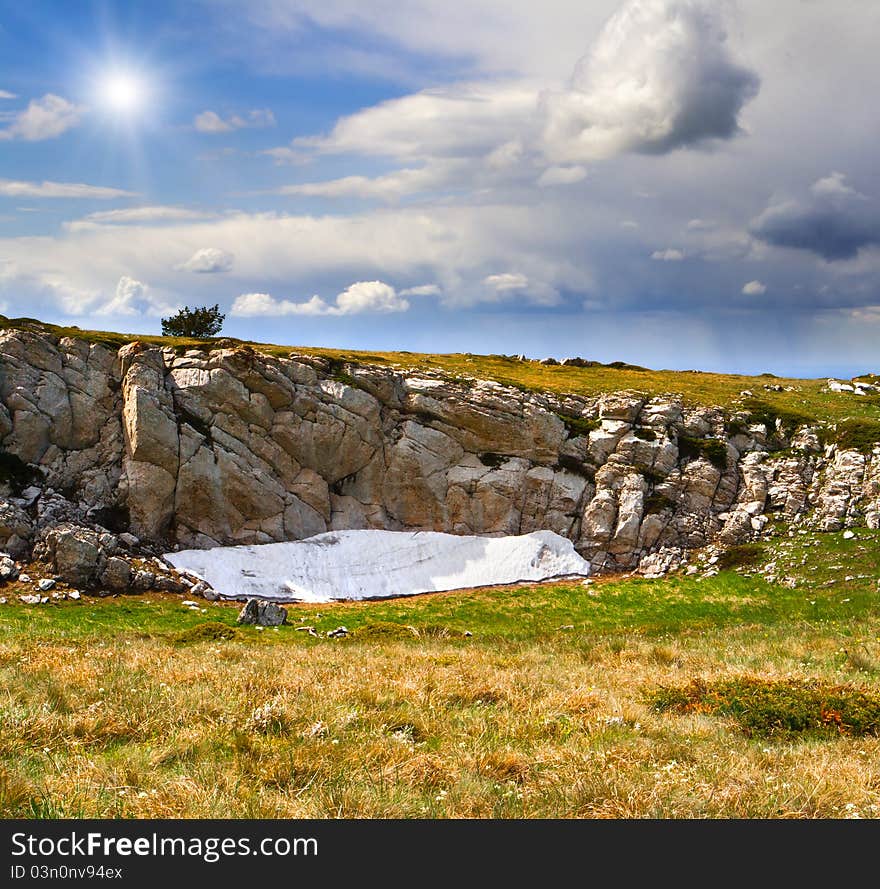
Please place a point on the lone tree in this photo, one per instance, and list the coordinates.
(199, 323)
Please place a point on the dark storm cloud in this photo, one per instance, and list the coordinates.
(834, 223)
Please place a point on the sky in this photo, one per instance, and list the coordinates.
(684, 184)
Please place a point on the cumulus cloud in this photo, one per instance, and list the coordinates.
(132, 297)
(360, 297)
(43, 118)
(16, 188)
(211, 122)
(754, 288)
(670, 254)
(660, 76)
(562, 175)
(207, 261)
(834, 221)
(5, 94)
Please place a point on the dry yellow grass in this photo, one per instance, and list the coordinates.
(424, 728)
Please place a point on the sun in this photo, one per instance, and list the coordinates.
(122, 91)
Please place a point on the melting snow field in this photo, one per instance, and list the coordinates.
(374, 564)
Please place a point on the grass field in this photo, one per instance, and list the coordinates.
(723, 696)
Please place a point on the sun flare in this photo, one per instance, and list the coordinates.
(122, 91)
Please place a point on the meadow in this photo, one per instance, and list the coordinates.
(753, 692)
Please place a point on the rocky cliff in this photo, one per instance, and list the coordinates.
(203, 447)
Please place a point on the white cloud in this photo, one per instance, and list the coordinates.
(208, 260)
(463, 120)
(562, 175)
(670, 254)
(285, 155)
(454, 247)
(508, 284)
(629, 225)
(15, 188)
(422, 290)
(754, 288)
(506, 281)
(43, 118)
(834, 186)
(660, 76)
(137, 215)
(211, 122)
(132, 297)
(505, 156)
(370, 296)
(700, 225)
(5, 94)
(388, 187)
(360, 297)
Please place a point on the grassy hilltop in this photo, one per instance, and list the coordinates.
(805, 399)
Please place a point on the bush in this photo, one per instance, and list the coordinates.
(712, 449)
(199, 323)
(782, 708)
(746, 555)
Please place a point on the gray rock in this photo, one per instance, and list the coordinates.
(117, 574)
(8, 568)
(45, 584)
(262, 613)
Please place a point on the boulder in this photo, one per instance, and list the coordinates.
(262, 613)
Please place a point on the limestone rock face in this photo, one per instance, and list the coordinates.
(232, 446)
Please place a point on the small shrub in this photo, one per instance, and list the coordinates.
(578, 425)
(761, 412)
(383, 630)
(493, 460)
(15, 473)
(857, 435)
(712, 449)
(777, 708)
(657, 503)
(210, 631)
(746, 555)
(645, 434)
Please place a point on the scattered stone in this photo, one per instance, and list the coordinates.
(116, 574)
(45, 584)
(188, 603)
(848, 535)
(262, 613)
(30, 600)
(74, 594)
(566, 627)
(24, 578)
(338, 633)
(310, 630)
(8, 568)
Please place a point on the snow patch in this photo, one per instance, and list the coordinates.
(376, 564)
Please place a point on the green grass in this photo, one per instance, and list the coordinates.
(672, 604)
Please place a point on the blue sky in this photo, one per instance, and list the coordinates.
(675, 183)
